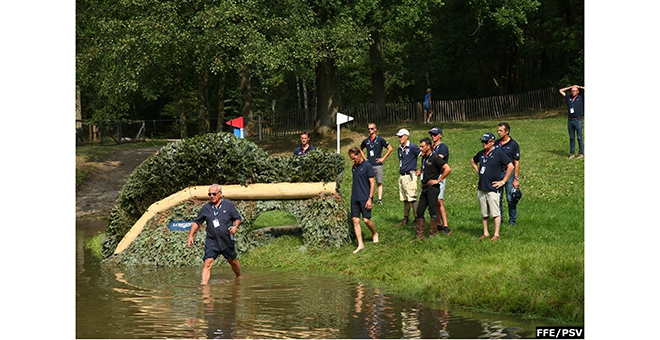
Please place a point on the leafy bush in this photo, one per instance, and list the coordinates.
(225, 159)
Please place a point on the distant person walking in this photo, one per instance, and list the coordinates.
(575, 105)
(512, 149)
(304, 147)
(408, 153)
(488, 164)
(362, 196)
(441, 150)
(222, 221)
(374, 145)
(428, 111)
(434, 170)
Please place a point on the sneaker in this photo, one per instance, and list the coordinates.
(446, 230)
(512, 223)
(571, 156)
(580, 156)
(379, 202)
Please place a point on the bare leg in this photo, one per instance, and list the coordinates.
(380, 191)
(206, 270)
(358, 234)
(443, 212)
(236, 267)
(414, 207)
(497, 221)
(484, 222)
(372, 228)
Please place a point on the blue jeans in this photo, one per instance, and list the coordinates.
(513, 211)
(575, 127)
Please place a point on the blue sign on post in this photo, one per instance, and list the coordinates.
(180, 225)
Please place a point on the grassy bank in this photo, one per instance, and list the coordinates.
(536, 268)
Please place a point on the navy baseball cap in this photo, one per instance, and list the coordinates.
(435, 131)
(487, 136)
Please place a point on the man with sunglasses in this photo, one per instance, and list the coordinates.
(441, 149)
(374, 145)
(488, 164)
(222, 221)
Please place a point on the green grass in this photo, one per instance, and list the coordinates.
(535, 269)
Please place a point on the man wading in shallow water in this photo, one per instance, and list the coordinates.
(222, 221)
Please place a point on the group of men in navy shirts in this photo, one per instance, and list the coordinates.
(497, 166)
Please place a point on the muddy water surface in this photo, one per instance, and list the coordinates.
(153, 303)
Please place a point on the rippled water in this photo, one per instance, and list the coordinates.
(169, 303)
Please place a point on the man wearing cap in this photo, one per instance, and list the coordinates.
(434, 171)
(488, 164)
(374, 145)
(512, 149)
(408, 153)
(441, 150)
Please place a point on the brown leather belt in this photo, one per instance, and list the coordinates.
(578, 118)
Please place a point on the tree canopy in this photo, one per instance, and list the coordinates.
(192, 60)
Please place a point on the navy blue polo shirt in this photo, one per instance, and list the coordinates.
(511, 148)
(300, 152)
(408, 157)
(576, 105)
(361, 185)
(218, 238)
(442, 149)
(490, 167)
(374, 148)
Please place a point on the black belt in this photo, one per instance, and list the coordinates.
(578, 118)
(407, 173)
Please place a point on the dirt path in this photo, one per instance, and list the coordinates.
(97, 195)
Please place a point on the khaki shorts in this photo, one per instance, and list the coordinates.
(489, 201)
(408, 187)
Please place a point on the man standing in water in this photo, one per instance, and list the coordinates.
(222, 221)
(362, 196)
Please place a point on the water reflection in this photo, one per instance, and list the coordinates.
(148, 302)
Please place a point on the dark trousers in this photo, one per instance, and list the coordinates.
(429, 199)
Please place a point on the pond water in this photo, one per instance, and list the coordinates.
(152, 303)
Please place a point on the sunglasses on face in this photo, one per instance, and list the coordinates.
(213, 194)
(485, 141)
(372, 128)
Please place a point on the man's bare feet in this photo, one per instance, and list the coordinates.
(376, 238)
(358, 249)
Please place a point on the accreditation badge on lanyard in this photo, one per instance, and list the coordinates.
(216, 223)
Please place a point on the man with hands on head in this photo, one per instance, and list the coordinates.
(575, 105)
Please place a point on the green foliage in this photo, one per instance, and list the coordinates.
(323, 221)
(212, 158)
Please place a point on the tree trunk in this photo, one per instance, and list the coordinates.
(221, 101)
(377, 76)
(178, 89)
(329, 101)
(246, 112)
(203, 123)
